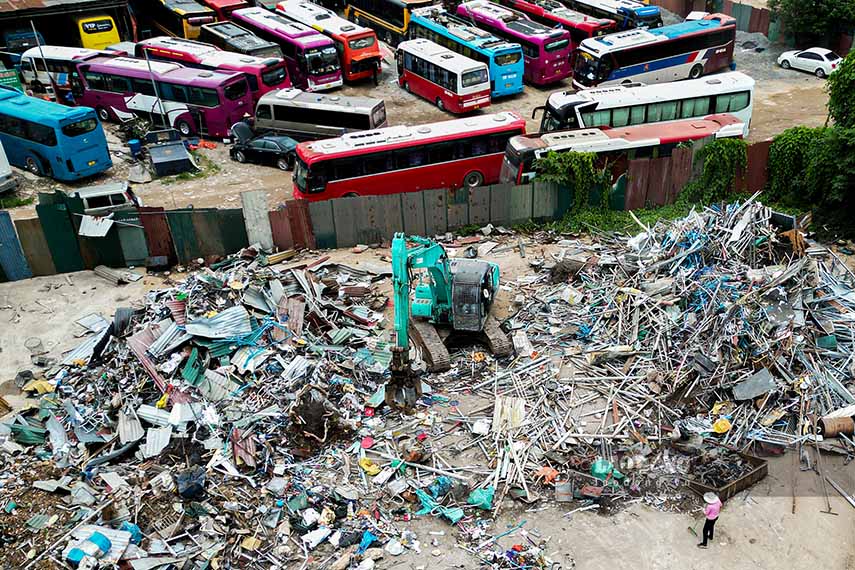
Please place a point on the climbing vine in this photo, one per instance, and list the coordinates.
(788, 158)
(578, 172)
(722, 159)
(840, 87)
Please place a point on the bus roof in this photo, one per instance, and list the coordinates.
(624, 5)
(302, 99)
(462, 29)
(229, 30)
(442, 56)
(190, 47)
(636, 37)
(604, 139)
(513, 20)
(620, 95)
(15, 103)
(190, 75)
(61, 52)
(224, 3)
(320, 18)
(403, 135)
(565, 13)
(293, 30)
(183, 7)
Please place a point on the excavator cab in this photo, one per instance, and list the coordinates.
(472, 293)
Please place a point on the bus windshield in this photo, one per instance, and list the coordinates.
(589, 69)
(361, 43)
(236, 90)
(321, 61)
(273, 76)
(80, 127)
(472, 78)
(508, 58)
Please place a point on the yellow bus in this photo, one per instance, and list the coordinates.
(97, 32)
(179, 18)
(389, 18)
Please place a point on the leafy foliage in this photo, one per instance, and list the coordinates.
(574, 170)
(841, 87)
(817, 20)
(722, 159)
(788, 158)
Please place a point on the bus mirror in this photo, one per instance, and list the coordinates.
(535, 110)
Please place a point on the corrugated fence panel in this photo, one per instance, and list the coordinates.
(158, 238)
(131, 238)
(638, 174)
(392, 220)
(436, 211)
(727, 8)
(742, 13)
(61, 237)
(256, 218)
(222, 232)
(479, 205)
(346, 214)
(413, 210)
(95, 251)
(323, 224)
(545, 201)
(755, 178)
(280, 228)
(35, 246)
(15, 266)
(500, 203)
(657, 186)
(301, 224)
(184, 235)
(521, 203)
(458, 208)
(681, 172)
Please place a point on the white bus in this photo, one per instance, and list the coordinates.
(635, 104)
(627, 13)
(40, 64)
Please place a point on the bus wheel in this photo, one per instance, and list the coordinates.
(184, 128)
(103, 113)
(282, 163)
(473, 179)
(439, 104)
(407, 87)
(696, 72)
(33, 166)
(351, 195)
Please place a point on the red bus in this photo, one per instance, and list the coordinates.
(262, 74)
(553, 13)
(450, 154)
(224, 8)
(452, 81)
(357, 46)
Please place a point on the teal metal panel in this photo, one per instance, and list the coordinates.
(392, 218)
(521, 204)
(60, 236)
(323, 224)
(131, 238)
(544, 201)
(12, 260)
(479, 205)
(436, 211)
(458, 208)
(742, 13)
(346, 214)
(183, 235)
(500, 203)
(413, 211)
(220, 232)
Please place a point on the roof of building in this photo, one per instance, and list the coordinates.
(20, 8)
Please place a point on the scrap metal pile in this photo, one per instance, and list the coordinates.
(237, 417)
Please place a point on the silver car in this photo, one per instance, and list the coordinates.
(819, 61)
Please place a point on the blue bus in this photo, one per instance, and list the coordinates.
(49, 139)
(628, 14)
(504, 59)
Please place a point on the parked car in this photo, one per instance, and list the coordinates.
(262, 149)
(819, 61)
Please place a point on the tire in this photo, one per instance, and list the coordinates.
(33, 166)
(785, 64)
(407, 87)
(37, 87)
(282, 163)
(103, 114)
(439, 104)
(473, 179)
(184, 128)
(240, 157)
(351, 195)
(820, 73)
(696, 72)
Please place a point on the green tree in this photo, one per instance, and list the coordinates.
(814, 20)
(841, 92)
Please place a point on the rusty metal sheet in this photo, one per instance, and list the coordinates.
(659, 181)
(681, 172)
(243, 447)
(280, 226)
(35, 246)
(757, 172)
(638, 174)
(158, 238)
(302, 229)
(296, 308)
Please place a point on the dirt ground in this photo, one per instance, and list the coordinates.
(757, 528)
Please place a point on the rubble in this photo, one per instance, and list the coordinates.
(237, 416)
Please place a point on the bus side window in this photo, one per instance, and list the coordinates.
(620, 117)
(669, 110)
(144, 86)
(120, 84)
(654, 112)
(636, 115)
(263, 112)
(347, 168)
(441, 152)
(282, 114)
(26, 65)
(96, 81)
(40, 133)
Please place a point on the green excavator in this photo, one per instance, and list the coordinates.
(451, 296)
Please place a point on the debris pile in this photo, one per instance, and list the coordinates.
(237, 416)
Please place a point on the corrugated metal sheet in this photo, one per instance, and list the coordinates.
(152, 415)
(248, 358)
(216, 387)
(83, 352)
(178, 308)
(156, 441)
(243, 447)
(119, 539)
(35, 246)
(93, 322)
(130, 428)
(12, 258)
(90, 226)
(232, 322)
(60, 236)
(152, 563)
(170, 338)
(138, 344)
(117, 276)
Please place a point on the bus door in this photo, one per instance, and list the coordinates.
(97, 32)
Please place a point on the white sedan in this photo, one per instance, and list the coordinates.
(819, 61)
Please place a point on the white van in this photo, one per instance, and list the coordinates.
(59, 61)
(8, 182)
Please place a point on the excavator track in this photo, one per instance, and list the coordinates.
(497, 341)
(433, 349)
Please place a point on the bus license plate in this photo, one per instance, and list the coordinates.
(508, 84)
(92, 162)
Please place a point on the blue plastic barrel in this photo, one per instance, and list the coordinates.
(135, 145)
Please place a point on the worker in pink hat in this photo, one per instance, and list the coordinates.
(712, 508)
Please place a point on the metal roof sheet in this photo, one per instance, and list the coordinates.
(119, 539)
(171, 337)
(232, 322)
(156, 441)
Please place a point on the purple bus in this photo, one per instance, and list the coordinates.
(546, 50)
(203, 102)
(311, 56)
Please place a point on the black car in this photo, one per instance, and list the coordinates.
(274, 150)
